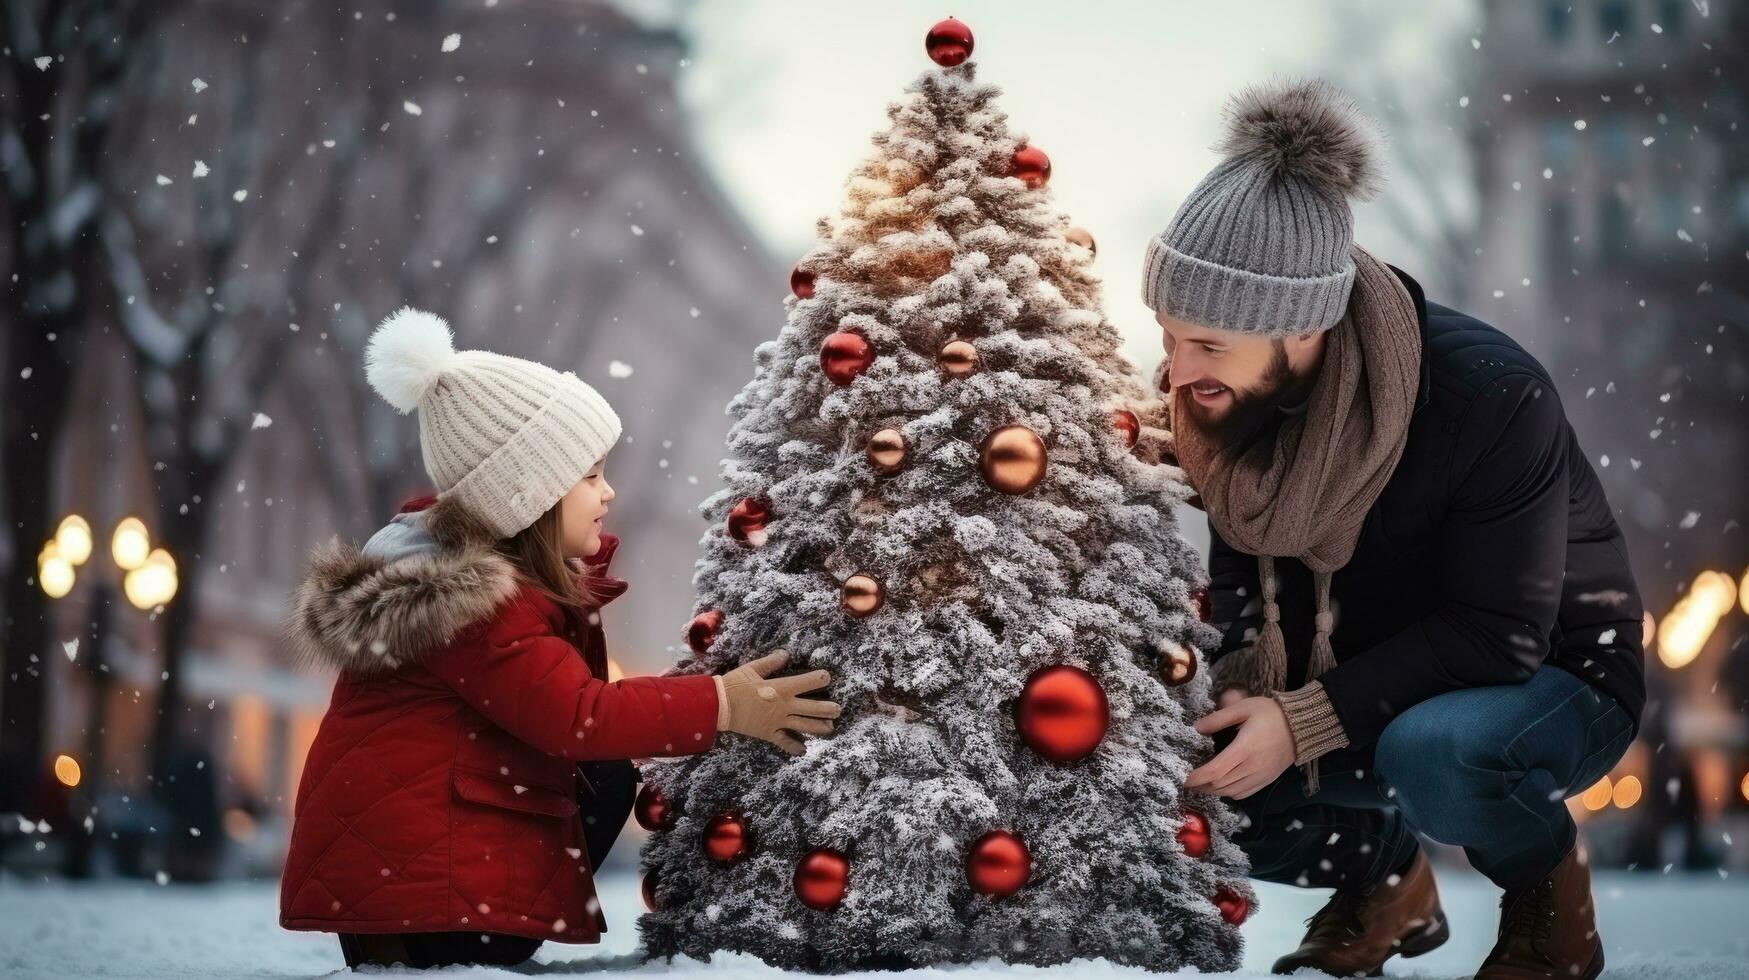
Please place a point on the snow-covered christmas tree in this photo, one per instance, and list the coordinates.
(943, 490)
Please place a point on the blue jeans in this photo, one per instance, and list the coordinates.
(1486, 769)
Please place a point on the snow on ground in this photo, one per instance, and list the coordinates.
(1654, 926)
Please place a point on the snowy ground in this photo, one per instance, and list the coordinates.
(1655, 927)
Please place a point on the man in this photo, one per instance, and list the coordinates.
(1426, 602)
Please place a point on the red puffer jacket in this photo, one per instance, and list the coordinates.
(440, 792)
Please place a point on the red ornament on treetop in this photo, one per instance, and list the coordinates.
(648, 888)
(1193, 836)
(1062, 713)
(801, 282)
(651, 809)
(845, 355)
(702, 631)
(727, 838)
(1032, 166)
(1234, 906)
(822, 878)
(949, 43)
(747, 522)
(998, 864)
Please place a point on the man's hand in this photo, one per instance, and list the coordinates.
(1262, 750)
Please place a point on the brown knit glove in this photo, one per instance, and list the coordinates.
(752, 702)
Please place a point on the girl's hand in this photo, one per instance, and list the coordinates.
(752, 702)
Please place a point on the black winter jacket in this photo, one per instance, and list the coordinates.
(1490, 552)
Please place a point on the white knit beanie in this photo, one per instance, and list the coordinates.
(503, 436)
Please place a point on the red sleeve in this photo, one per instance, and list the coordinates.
(536, 686)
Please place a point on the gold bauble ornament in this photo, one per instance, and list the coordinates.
(887, 450)
(958, 358)
(1012, 459)
(862, 595)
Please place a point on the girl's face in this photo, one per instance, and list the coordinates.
(581, 511)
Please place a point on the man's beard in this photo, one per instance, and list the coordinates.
(1254, 412)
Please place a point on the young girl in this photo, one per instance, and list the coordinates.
(438, 819)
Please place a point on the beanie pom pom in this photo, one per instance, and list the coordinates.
(406, 356)
(1307, 129)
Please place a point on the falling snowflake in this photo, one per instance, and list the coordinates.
(1689, 520)
(619, 369)
(451, 42)
(199, 85)
(164, 181)
(239, 195)
(43, 63)
(200, 169)
(261, 421)
(411, 108)
(72, 648)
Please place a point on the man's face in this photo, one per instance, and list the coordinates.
(1235, 381)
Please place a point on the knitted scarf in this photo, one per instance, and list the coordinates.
(1305, 492)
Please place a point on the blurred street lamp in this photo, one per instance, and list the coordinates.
(54, 572)
(73, 539)
(1689, 624)
(149, 580)
(67, 770)
(130, 544)
(1598, 796)
(1627, 792)
(153, 582)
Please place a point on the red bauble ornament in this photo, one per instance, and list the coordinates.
(1128, 426)
(845, 355)
(822, 878)
(1083, 238)
(648, 888)
(1193, 836)
(1062, 713)
(747, 522)
(801, 282)
(998, 864)
(949, 43)
(702, 631)
(1032, 166)
(1205, 608)
(1234, 906)
(651, 809)
(727, 838)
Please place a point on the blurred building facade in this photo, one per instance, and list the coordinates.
(532, 180)
(1613, 174)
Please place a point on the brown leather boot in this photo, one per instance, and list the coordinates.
(1548, 929)
(1360, 928)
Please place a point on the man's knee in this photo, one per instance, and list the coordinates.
(1440, 771)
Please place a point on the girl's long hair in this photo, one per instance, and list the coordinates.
(538, 553)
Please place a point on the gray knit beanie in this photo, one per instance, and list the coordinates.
(505, 437)
(1261, 246)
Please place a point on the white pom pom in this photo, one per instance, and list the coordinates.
(406, 355)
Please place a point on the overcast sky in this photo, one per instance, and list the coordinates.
(1125, 98)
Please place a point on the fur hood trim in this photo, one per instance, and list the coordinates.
(371, 610)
